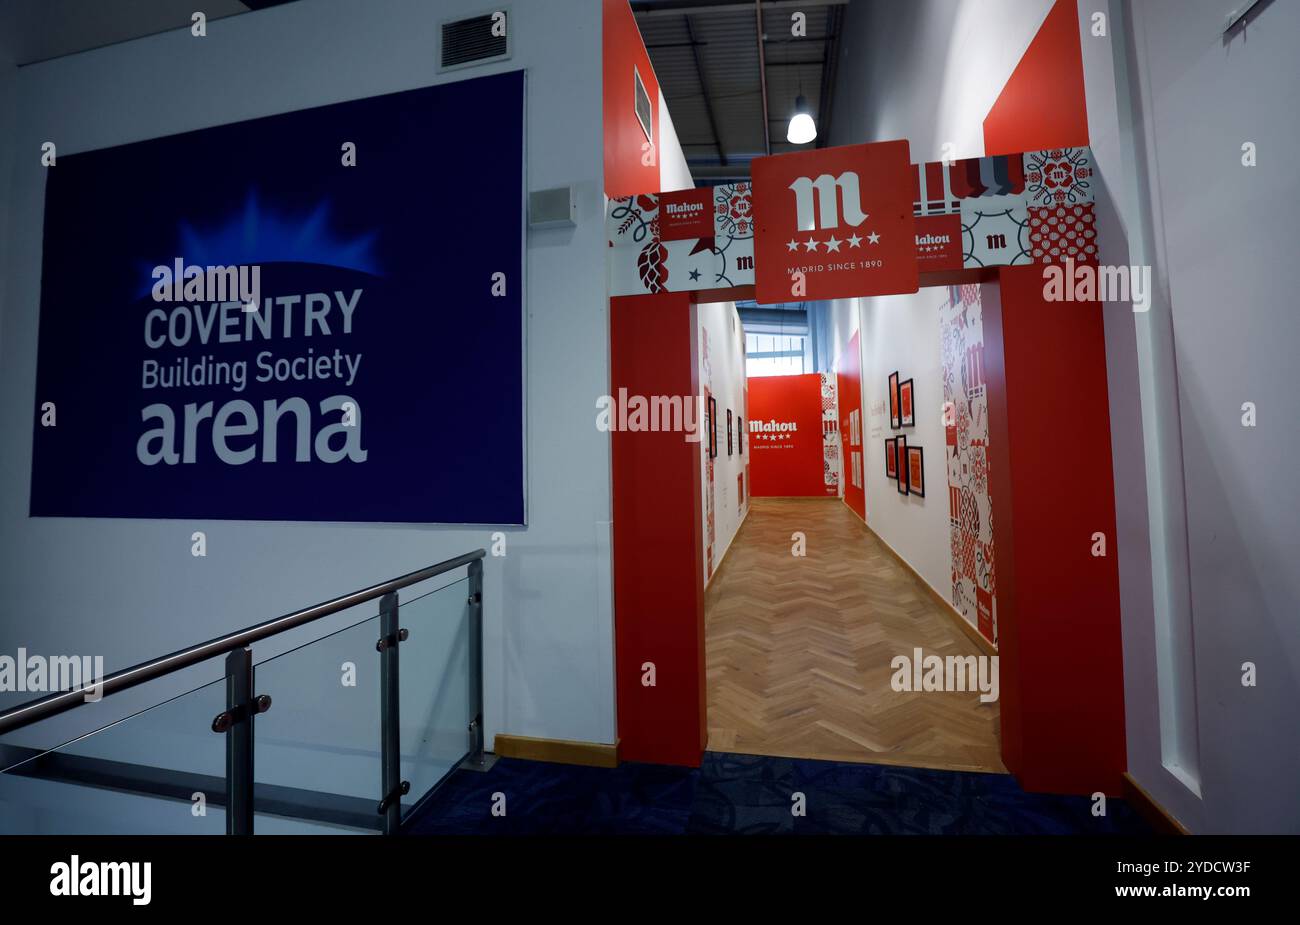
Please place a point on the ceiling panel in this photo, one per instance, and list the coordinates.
(706, 55)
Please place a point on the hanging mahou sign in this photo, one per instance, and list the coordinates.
(834, 223)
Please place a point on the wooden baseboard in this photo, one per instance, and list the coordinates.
(945, 605)
(730, 546)
(559, 751)
(1156, 815)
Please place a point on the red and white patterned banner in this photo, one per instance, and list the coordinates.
(681, 241)
(1007, 210)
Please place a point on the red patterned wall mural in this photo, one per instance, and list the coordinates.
(966, 448)
(830, 435)
(848, 373)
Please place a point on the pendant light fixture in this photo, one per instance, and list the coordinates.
(802, 127)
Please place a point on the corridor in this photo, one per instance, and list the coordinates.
(799, 649)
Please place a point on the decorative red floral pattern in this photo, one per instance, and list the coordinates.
(1063, 231)
(1058, 176)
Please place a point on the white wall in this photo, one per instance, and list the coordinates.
(129, 589)
(901, 334)
(724, 376)
(927, 71)
(1170, 103)
(674, 174)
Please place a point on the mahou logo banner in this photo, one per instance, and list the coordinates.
(788, 436)
(834, 223)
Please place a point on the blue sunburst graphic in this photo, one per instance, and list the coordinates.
(261, 236)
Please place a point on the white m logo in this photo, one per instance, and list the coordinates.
(827, 187)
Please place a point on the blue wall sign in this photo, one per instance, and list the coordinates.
(360, 357)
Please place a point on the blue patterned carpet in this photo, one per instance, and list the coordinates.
(744, 794)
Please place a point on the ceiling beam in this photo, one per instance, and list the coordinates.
(704, 87)
(737, 171)
(796, 39)
(831, 54)
(648, 10)
(762, 72)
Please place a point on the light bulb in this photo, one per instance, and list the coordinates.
(802, 127)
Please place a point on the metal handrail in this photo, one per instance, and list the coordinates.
(54, 704)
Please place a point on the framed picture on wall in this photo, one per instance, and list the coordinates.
(894, 419)
(710, 417)
(900, 462)
(891, 458)
(728, 431)
(740, 435)
(916, 471)
(906, 407)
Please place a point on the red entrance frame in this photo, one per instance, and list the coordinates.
(1061, 659)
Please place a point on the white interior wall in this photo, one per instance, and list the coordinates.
(1223, 756)
(674, 174)
(725, 378)
(1159, 693)
(901, 334)
(927, 71)
(129, 589)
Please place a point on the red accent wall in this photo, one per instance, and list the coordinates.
(1042, 104)
(1062, 679)
(786, 464)
(848, 389)
(658, 541)
(657, 533)
(1058, 605)
(623, 51)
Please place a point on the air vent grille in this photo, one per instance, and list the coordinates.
(469, 41)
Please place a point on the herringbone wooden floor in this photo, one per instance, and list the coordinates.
(799, 649)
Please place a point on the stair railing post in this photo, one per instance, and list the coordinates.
(476, 663)
(239, 741)
(390, 634)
